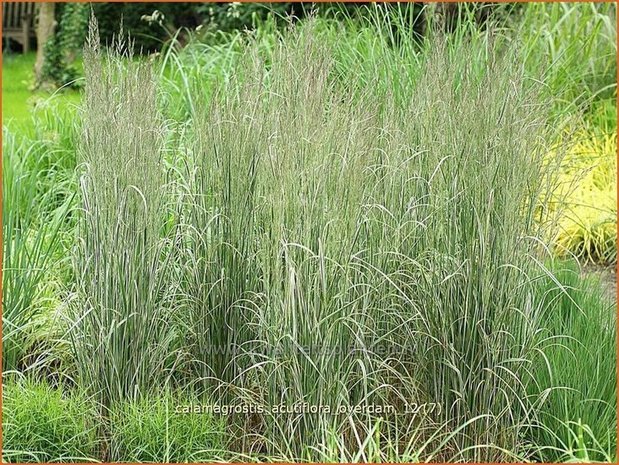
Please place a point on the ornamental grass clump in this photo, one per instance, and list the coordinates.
(477, 127)
(121, 335)
(359, 247)
(576, 418)
(41, 423)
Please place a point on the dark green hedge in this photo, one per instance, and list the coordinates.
(147, 37)
(220, 16)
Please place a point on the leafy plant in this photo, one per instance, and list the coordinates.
(30, 246)
(576, 415)
(61, 49)
(73, 27)
(586, 198)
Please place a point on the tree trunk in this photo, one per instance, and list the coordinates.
(45, 30)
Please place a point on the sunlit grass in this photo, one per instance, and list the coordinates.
(19, 103)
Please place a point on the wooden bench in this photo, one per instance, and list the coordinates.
(18, 22)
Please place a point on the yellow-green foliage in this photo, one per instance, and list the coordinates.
(587, 199)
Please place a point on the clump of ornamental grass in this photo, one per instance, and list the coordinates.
(121, 335)
(477, 126)
(577, 413)
(266, 263)
(349, 249)
(156, 429)
(41, 423)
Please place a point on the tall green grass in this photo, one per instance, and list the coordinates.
(577, 412)
(574, 47)
(121, 335)
(328, 225)
(33, 219)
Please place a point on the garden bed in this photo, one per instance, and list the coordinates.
(333, 242)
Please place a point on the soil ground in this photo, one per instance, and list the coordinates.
(607, 276)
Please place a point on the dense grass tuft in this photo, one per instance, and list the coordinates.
(47, 424)
(577, 411)
(155, 429)
(311, 251)
(33, 220)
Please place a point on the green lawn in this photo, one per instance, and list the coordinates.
(19, 101)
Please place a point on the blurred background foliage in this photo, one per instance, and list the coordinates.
(151, 25)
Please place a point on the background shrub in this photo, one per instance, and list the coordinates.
(587, 198)
(148, 37)
(61, 50)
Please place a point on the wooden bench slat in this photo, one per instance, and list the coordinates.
(18, 19)
(13, 13)
(10, 9)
